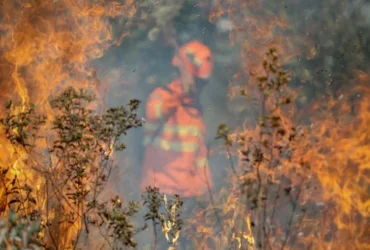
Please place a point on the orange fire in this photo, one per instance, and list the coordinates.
(45, 47)
(49, 45)
(339, 154)
(330, 166)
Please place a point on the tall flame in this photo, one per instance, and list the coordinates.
(339, 154)
(45, 47)
(337, 148)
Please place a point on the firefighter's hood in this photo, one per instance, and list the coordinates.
(197, 59)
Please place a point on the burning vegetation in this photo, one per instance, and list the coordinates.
(298, 164)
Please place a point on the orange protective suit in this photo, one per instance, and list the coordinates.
(175, 159)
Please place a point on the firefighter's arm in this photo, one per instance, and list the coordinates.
(159, 105)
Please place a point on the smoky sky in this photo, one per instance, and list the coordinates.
(143, 59)
(147, 65)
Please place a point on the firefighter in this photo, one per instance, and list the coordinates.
(175, 158)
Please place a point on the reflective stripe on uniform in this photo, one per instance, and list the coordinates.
(197, 61)
(158, 107)
(193, 58)
(184, 130)
(201, 162)
(171, 145)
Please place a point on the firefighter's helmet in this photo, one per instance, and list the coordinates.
(196, 58)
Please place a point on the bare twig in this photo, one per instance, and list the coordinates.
(295, 203)
(210, 192)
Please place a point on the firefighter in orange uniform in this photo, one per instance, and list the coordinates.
(175, 159)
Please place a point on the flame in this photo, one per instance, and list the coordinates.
(46, 46)
(339, 153)
(335, 178)
(49, 45)
(336, 149)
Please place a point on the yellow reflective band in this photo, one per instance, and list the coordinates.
(158, 109)
(171, 129)
(189, 51)
(193, 59)
(201, 162)
(186, 130)
(172, 146)
(197, 61)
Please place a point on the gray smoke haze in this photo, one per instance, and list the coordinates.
(136, 68)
